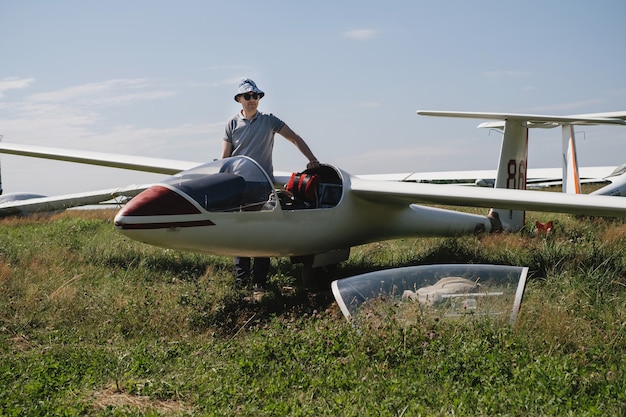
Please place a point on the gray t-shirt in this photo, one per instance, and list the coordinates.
(254, 138)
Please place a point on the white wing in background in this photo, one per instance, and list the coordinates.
(408, 193)
(62, 202)
(135, 163)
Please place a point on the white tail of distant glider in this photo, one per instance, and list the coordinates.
(513, 162)
(230, 207)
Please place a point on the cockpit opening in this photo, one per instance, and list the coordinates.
(240, 184)
(319, 187)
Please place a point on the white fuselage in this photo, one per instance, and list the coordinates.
(280, 232)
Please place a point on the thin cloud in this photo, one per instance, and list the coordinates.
(385, 160)
(361, 34)
(78, 114)
(127, 99)
(570, 106)
(14, 83)
(454, 155)
(226, 68)
(506, 74)
(89, 89)
(369, 104)
(617, 92)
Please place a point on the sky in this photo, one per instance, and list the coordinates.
(157, 78)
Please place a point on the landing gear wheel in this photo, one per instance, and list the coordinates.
(317, 279)
(309, 276)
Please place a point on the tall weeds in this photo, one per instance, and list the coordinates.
(92, 323)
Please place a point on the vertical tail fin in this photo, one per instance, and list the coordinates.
(512, 169)
(571, 178)
(514, 152)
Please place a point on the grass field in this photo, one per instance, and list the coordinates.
(94, 324)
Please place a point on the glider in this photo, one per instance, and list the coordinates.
(230, 206)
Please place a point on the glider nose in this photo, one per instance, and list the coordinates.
(153, 208)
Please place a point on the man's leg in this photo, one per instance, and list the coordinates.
(260, 271)
(242, 270)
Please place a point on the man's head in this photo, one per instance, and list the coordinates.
(248, 91)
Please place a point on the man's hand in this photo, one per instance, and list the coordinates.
(312, 164)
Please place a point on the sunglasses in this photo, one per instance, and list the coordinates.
(253, 96)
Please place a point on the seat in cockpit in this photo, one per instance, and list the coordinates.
(318, 187)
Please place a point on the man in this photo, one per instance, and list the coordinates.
(251, 133)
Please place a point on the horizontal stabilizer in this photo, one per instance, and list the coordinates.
(616, 118)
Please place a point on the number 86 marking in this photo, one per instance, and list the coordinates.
(516, 174)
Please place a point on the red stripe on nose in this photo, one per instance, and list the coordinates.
(158, 201)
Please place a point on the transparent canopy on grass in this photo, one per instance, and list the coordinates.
(448, 290)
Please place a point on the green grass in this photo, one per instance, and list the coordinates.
(94, 324)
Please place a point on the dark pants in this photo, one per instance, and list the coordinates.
(259, 272)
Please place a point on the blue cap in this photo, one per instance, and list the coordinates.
(248, 86)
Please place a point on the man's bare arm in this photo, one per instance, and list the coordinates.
(294, 138)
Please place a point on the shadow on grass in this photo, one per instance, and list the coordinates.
(227, 311)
